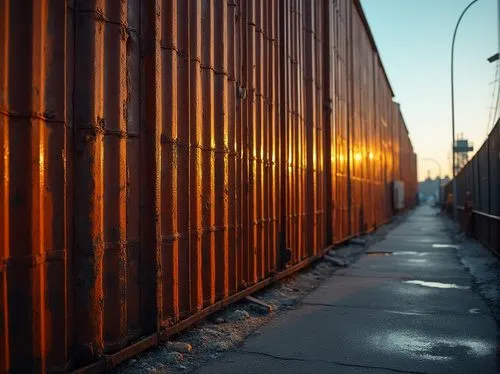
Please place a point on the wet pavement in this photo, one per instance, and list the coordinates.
(409, 304)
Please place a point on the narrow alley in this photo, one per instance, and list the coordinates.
(247, 186)
(408, 305)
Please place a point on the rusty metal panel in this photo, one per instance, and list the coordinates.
(132, 175)
(112, 168)
(363, 139)
(207, 153)
(270, 138)
(396, 142)
(341, 180)
(34, 137)
(174, 155)
(292, 143)
(4, 189)
(34, 214)
(385, 113)
(314, 214)
(250, 141)
(305, 179)
(234, 146)
(320, 206)
(327, 111)
(258, 142)
(404, 160)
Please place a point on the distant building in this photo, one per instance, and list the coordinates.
(430, 191)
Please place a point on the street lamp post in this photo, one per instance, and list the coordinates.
(454, 182)
(436, 162)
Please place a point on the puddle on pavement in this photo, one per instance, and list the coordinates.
(411, 253)
(444, 246)
(400, 253)
(417, 260)
(405, 313)
(432, 348)
(419, 240)
(437, 285)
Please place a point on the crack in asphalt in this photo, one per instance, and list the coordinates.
(330, 362)
(394, 311)
(403, 277)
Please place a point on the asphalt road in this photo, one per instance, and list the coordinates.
(408, 305)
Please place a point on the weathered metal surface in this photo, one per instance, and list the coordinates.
(341, 109)
(481, 177)
(157, 158)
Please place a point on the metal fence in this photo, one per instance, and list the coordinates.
(481, 177)
(161, 159)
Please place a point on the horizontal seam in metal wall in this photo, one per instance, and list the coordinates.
(262, 221)
(202, 66)
(98, 130)
(32, 115)
(263, 161)
(101, 17)
(34, 259)
(179, 235)
(215, 70)
(296, 215)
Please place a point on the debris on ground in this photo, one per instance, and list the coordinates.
(335, 261)
(259, 306)
(179, 347)
(358, 241)
(237, 315)
(172, 358)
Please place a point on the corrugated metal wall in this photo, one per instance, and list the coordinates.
(158, 157)
(481, 176)
(341, 98)
(36, 183)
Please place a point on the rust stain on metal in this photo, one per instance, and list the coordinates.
(161, 159)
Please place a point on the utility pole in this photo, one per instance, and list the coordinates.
(454, 182)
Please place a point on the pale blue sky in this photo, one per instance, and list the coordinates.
(414, 41)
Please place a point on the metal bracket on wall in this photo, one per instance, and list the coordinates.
(242, 93)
